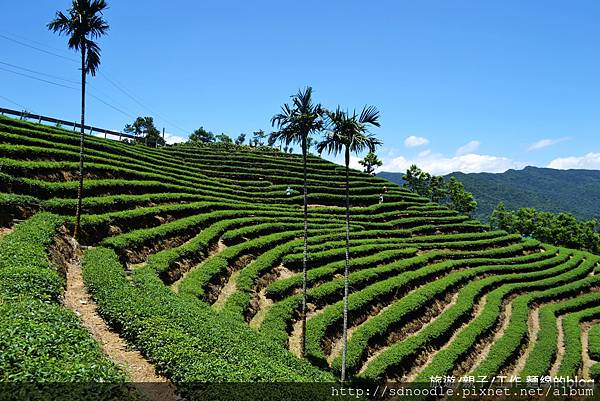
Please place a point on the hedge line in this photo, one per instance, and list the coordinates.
(238, 303)
(516, 332)
(335, 244)
(413, 303)
(24, 267)
(421, 273)
(572, 362)
(489, 317)
(542, 356)
(594, 342)
(185, 339)
(282, 288)
(40, 340)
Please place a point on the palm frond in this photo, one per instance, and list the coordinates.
(350, 131)
(297, 121)
(369, 115)
(82, 22)
(92, 61)
(332, 144)
(97, 6)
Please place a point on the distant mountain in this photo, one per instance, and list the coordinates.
(574, 191)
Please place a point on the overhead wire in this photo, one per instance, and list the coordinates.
(68, 87)
(16, 104)
(118, 86)
(36, 48)
(39, 73)
(95, 89)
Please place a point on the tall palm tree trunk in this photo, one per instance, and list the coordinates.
(304, 252)
(345, 324)
(81, 144)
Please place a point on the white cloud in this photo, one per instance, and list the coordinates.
(414, 141)
(544, 143)
(425, 153)
(340, 160)
(588, 161)
(171, 139)
(467, 148)
(354, 163)
(438, 164)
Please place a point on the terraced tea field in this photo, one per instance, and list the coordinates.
(194, 254)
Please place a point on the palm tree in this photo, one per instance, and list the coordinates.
(349, 134)
(83, 23)
(295, 124)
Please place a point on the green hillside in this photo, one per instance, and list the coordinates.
(550, 190)
(193, 255)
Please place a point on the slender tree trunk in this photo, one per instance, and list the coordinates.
(345, 325)
(81, 144)
(304, 253)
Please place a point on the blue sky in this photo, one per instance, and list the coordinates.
(461, 85)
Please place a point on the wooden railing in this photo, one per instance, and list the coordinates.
(24, 115)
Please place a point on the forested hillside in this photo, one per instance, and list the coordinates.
(551, 190)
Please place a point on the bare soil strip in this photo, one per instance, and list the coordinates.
(283, 272)
(213, 251)
(228, 290)
(560, 346)
(135, 266)
(410, 328)
(263, 304)
(294, 341)
(533, 324)
(421, 363)
(585, 354)
(131, 360)
(483, 353)
(336, 348)
(5, 231)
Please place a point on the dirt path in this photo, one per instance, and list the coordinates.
(5, 231)
(139, 370)
(295, 338)
(430, 355)
(219, 248)
(587, 362)
(485, 351)
(560, 346)
(324, 206)
(294, 342)
(283, 272)
(228, 290)
(336, 349)
(533, 324)
(136, 266)
(264, 304)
